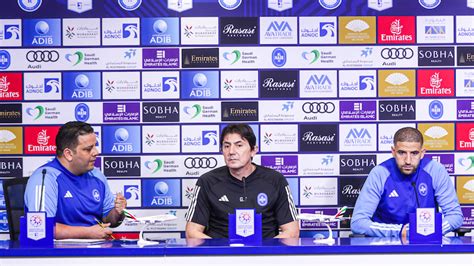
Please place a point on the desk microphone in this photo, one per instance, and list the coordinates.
(413, 183)
(42, 187)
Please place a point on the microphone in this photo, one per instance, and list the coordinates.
(42, 187)
(413, 184)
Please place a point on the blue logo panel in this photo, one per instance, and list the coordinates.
(160, 31)
(81, 85)
(42, 32)
(199, 84)
(121, 139)
(161, 193)
(4, 59)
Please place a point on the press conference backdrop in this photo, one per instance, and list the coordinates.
(324, 84)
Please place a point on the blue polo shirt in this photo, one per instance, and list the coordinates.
(389, 196)
(72, 200)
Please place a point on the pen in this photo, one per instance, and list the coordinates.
(101, 225)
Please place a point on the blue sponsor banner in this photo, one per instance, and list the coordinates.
(81, 85)
(121, 139)
(2, 196)
(199, 84)
(42, 32)
(3, 221)
(161, 193)
(159, 31)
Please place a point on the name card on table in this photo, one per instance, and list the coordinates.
(245, 227)
(36, 230)
(425, 226)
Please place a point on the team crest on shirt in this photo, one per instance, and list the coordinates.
(262, 199)
(96, 194)
(423, 189)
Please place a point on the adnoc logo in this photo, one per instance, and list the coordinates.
(29, 5)
(129, 5)
(4, 59)
(230, 4)
(429, 4)
(330, 4)
(279, 57)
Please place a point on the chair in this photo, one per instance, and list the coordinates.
(14, 191)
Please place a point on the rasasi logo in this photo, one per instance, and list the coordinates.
(155, 165)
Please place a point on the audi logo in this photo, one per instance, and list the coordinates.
(42, 56)
(200, 162)
(397, 53)
(318, 107)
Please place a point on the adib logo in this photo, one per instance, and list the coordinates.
(81, 112)
(42, 32)
(161, 192)
(366, 83)
(311, 56)
(436, 109)
(160, 31)
(11, 32)
(121, 139)
(279, 57)
(129, 31)
(209, 138)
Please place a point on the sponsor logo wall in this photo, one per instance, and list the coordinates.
(323, 93)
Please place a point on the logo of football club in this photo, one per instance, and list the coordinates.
(180, 5)
(4, 59)
(96, 195)
(429, 4)
(79, 6)
(330, 4)
(280, 5)
(29, 5)
(380, 5)
(230, 4)
(262, 199)
(129, 5)
(423, 189)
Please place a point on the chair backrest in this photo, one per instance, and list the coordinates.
(14, 191)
